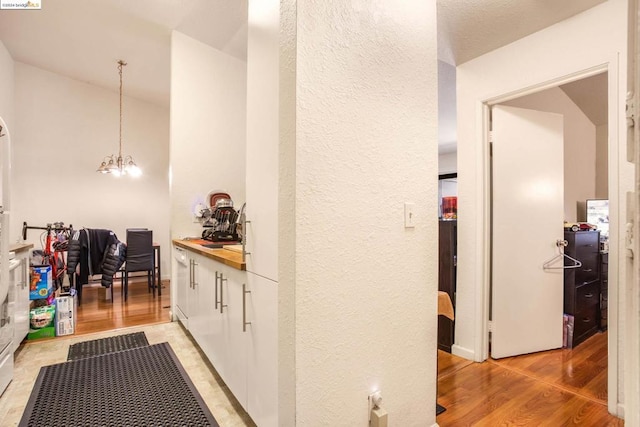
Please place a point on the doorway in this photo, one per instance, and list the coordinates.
(548, 158)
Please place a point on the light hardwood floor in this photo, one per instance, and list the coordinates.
(98, 314)
(554, 388)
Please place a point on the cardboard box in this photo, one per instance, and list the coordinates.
(40, 282)
(42, 322)
(65, 315)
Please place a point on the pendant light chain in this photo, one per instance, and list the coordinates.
(121, 63)
(117, 164)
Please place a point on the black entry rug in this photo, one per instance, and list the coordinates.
(107, 345)
(144, 386)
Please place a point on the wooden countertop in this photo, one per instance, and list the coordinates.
(19, 247)
(225, 256)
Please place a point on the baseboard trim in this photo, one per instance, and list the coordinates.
(620, 411)
(463, 352)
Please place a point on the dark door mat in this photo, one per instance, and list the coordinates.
(144, 386)
(107, 345)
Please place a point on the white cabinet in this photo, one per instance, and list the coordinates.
(181, 268)
(262, 350)
(230, 345)
(263, 137)
(19, 282)
(262, 227)
(232, 315)
(200, 302)
(246, 351)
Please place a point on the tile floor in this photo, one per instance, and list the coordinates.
(32, 355)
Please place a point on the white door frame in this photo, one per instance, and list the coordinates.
(617, 215)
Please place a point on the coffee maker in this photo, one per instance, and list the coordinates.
(221, 220)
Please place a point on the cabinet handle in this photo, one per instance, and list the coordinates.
(244, 307)
(587, 270)
(216, 291)
(222, 304)
(195, 283)
(588, 295)
(244, 238)
(191, 273)
(586, 319)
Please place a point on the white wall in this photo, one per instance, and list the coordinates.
(579, 146)
(6, 109)
(447, 163)
(590, 39)
(63, 130)
(602, 162)
(6, 85)
(447, 119)
(208, 127)
(365, 288)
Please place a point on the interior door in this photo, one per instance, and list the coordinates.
(527, 220)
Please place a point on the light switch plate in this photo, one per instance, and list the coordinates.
(409, 215)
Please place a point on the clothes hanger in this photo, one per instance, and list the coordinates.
(561, 244)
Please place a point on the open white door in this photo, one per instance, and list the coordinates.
(527, 220)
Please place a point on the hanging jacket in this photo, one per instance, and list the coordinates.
(95, 251)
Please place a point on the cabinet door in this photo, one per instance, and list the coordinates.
(263, 138)
(21, 312)
(262, 354)
(233, 342)
(197, 319)
(262, 239)
(182, 278)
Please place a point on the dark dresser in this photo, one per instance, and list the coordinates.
(447, 279)
(604, 290)
(582, 284)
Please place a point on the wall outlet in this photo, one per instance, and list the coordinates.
(375, 400)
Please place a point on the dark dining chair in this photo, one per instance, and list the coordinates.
(140, 257)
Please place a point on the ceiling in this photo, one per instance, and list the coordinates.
(470, 28)
(83, 39)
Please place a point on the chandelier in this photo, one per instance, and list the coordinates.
(119, 165)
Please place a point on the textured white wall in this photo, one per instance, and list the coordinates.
(208, 127)
(589, 39)
(579, 146)
(64, 128)
(366, 142)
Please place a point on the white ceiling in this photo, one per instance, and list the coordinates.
(83, 39)
(470, 28)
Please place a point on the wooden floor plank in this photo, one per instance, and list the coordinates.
(97, 313)
(555, 388)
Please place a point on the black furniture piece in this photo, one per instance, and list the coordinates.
(447, 249)
(140, 257)
(604, 290)
(582, 284)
